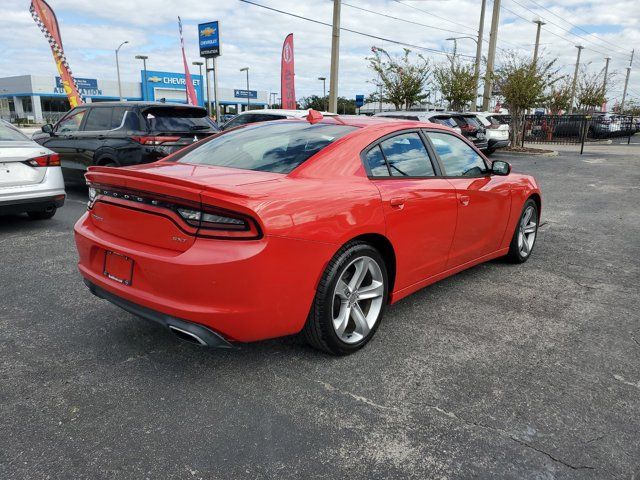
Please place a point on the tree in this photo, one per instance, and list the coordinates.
(403, 80)
(590, 92)
(524, 85)
(456, 81)
(559, 98)
(345, 105)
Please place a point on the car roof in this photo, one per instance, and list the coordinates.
(140, 104)
(363, 121)
(288, 113)
(417, 113)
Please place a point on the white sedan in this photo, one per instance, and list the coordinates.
(30, 176)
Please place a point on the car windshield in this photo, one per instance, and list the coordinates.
(277, 147)
(177, 119)
(10, 134)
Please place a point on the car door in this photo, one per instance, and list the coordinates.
(420, 208)
(483, 200)
(63, 140)
(92, 134)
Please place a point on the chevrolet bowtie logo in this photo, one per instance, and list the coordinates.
(207, 32)
(155, 79)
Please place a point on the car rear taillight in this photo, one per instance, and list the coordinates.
(218, 223)
(155, 140)
(207, 220)
(52, 160)
(468, 128)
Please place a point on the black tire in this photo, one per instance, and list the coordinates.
(318, 330)
(42, 214)
(515, 254)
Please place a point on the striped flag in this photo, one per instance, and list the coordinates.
(46, 19)
(192, 98)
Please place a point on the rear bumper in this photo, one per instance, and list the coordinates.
(34, 204)
(208, 336)
(242, 290)
(493, 143)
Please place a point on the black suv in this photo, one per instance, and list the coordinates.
(122, 133)
(472, 129)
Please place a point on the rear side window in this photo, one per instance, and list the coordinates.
(98, 118)
(376, 163)
(177, 119)
(277, 147)
(407, 156)
(458, 158)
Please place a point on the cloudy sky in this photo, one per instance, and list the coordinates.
(252, 36)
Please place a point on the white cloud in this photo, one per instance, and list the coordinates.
(253, 37)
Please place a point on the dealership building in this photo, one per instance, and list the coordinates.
(41, 98)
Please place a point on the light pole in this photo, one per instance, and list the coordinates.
(246, 69)
(144, 59)
(118, 69)
(199, 65)
(324, 91)
(273, 98)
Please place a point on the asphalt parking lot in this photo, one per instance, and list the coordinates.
(502, 371)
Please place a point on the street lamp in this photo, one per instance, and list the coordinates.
(144, 59)
(324, 91)
(199, 65)
(118, 69)
(246, 69)
(273, 98)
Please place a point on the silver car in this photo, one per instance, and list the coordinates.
(30, 176)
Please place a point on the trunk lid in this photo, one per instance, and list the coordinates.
(127, 208)
(14, 171)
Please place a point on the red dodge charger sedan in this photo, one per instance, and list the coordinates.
(299, 225)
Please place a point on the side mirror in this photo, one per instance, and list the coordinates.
(498, 167)
(48, 128)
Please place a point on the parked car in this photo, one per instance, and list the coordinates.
(265, 115)
(123, 133)
(295, 225)
(424, 116)
(30, 176)
(472, 128)
(496, 130)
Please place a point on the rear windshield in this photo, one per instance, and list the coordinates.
(9, 134)
(177, 119)
(448, 121)
(277, 147)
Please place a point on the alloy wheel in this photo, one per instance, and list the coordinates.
(358, 299)
(527, 231)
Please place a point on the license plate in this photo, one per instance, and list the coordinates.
(118, 267)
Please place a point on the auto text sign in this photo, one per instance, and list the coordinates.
(209, 39)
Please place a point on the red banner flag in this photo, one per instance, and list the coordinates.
(192, 98)
(46, 19)
(287, 75)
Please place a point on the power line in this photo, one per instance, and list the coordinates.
(561, 27)
(432, 14)
(397, 42)
(574, 25)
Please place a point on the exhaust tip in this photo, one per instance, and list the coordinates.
(187, 336)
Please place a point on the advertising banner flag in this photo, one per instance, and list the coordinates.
(192, 98)
(287, 75)
(46, 19)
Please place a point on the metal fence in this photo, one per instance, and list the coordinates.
(577, 129)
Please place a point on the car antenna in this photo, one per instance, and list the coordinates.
(314, 116)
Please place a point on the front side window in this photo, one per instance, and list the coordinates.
(407, 156)
(458, 158)
(72, 122)
(277, 147)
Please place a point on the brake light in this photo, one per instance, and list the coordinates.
(52, 160)
(208, 221)
(154, 140)
(468, 128)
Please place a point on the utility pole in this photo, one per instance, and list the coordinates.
(626, 83)
(491, 57)
(535, 50)
(478, 55)
(604, 81)
(335, 58)
(575, 79)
